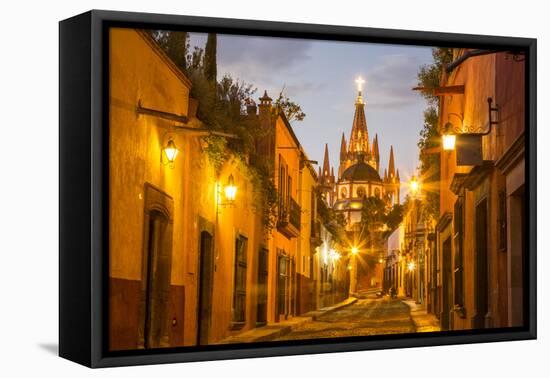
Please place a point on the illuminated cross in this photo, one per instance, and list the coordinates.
(360, 83)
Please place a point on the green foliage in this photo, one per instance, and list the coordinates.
(175, 44)
(222, 108)
(375, 214)
(216, 150)
(210, 65)
(291, 110)
(266, 197)
(394, 217)
(430, 74)
(429, 77)
(430, 163)
(333, 221)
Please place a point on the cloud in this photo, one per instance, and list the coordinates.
(257, 59)
(389, 85)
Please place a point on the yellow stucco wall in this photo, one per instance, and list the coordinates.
(135, 148)
(139, 72)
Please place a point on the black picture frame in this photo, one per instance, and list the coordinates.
(83, 181)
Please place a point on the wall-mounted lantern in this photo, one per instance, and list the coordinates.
(169, 151)
(229, 193)
(467, 140)
(448, 138)
(230, 190)
(411, 266)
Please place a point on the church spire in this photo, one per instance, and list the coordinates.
(375, 151)
(326, 164)
(343, 148)
(359, 139)
(391, 166)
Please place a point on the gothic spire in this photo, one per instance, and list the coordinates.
(326, 164)
(343, 148)
(391, 166)
(359, 139)
(397, 174)
(375, 151)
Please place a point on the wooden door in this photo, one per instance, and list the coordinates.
(447, 285)
(481, 286)
(206, 276)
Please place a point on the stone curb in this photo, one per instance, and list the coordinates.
(282, 330)
(415, 315)
(327, 310)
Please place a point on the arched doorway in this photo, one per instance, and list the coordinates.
(156, 269)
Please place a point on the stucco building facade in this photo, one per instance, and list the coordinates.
(480, 250)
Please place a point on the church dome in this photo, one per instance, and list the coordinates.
(361, 171)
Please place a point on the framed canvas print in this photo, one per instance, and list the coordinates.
(233, 188)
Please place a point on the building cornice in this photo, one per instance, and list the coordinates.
(444, 220)
(512, 156)
(478, 174)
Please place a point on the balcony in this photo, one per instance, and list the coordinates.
(289, 219)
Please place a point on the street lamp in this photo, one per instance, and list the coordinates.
(230, 189)
(414, 185)
(169, 152)
(411, 266)
(449, 137)
(450, 132)
(354, 250)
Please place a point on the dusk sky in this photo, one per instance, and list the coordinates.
(320, 76)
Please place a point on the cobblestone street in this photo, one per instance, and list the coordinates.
(369, 316)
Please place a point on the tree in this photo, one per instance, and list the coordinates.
(394, 217)
(291, 110)
(429, 76)
(210, 64)
(373, 213)
(175, 44)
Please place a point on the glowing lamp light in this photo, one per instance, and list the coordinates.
(354, 250)
(414, 185)
(380, 261)
(170, 151)
(230, 189)
(411, 266)
(449, 141)
(448, 138)
(334, 255)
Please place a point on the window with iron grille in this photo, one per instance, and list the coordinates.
(239, 293)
